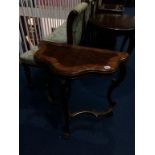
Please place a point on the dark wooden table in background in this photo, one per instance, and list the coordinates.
(116, 22)
(116, 25)
(111, 8)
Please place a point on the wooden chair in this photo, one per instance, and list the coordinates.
(71, 32)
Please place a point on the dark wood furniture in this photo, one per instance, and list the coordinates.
(110, 6)
(72, 61)
(116, 24)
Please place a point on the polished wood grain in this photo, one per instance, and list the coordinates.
(114, 21)
(69, 60)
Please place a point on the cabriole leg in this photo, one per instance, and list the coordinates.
(116, 83)
(65, 98)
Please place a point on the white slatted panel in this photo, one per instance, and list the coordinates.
(38, 18)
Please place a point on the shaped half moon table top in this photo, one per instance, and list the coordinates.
(71, 60)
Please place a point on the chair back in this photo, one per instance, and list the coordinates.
(76, 23)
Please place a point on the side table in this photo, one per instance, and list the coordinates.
(116, 25)
(70, 62)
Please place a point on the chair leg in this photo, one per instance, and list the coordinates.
(28, 75)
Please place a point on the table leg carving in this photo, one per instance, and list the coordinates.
(65, 97)
(49, 93)
(107, 112)
(116, 83)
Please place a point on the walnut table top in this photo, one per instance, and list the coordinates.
(71, 60)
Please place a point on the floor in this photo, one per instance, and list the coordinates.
(41, 122)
